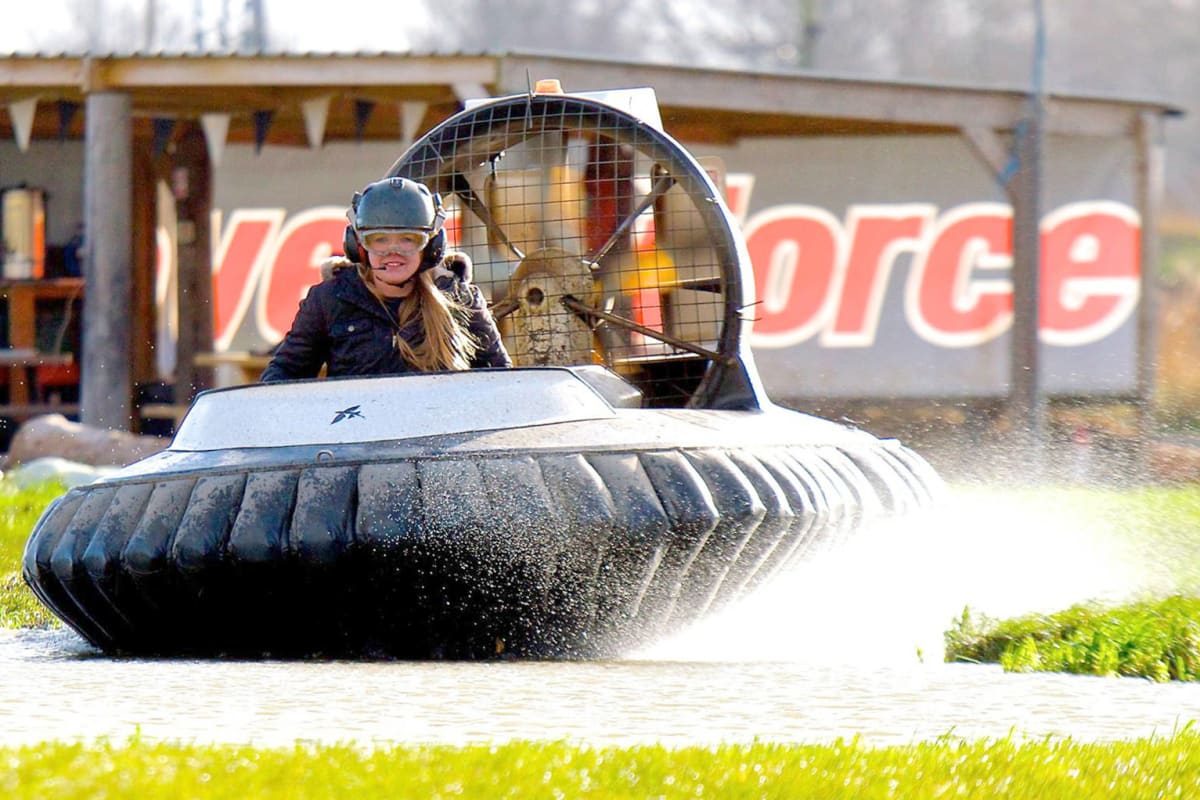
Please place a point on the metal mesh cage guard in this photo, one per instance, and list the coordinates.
(597, 239)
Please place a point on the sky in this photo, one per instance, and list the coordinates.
(54, 25)
(51, 26)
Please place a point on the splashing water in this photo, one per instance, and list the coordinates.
(891, 592)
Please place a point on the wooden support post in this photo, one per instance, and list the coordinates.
(105, 388)
(1027, 403)
(191, 183)
(1027, 398)
(145, 254)
(1150, 171)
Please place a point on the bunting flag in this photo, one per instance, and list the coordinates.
(66, 115)
(21, 113)
(362, 113)
(262, 124)
(412, 112)
(469, 91)
(216, 129)
(316, 114)
(163, 128)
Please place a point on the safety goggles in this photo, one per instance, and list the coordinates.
(404, 243)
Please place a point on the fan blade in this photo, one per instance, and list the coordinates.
(583, 309)
(503, 308)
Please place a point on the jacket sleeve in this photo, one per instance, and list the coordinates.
(491, 352)
(305, 348)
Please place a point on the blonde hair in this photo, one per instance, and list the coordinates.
(446, 343)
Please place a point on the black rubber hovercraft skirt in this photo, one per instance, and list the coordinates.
(540, 553)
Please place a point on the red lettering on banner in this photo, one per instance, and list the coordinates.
(794, 250)
(308, 239)
(878, 235)
(244, 246)
(948, 300)
(812, 274)
(1090, 284)
(813, 277)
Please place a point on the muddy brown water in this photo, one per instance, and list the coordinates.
(848, 644)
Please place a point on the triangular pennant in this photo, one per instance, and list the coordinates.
(262, 124)
(163, 128)
(216, 129)
(362, 113)
(316, 113)
(412, 114)
(469, 91)
(66, 115)
(263, 120)
(21, 112)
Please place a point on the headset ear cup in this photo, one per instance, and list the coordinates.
(432, 255)
(350, 245)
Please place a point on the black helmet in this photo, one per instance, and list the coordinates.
(396, 204)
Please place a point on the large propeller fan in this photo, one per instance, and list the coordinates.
(597, 238)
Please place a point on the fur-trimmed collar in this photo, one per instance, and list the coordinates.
(331, 266)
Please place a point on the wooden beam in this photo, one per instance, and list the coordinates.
(735, 104)
(298, 71)
(41, 72)
(989, 148)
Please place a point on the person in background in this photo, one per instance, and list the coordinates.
(396, 303)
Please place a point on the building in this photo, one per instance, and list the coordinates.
(106, 134)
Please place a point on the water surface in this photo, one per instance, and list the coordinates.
(848, 645)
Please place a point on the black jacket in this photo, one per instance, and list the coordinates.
(341, 324)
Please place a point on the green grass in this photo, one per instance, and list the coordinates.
(1167, 766)
(19, 511)
(1156, 639)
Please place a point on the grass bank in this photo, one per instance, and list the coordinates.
(1167, 766)
(19, 511)
(1156, 639)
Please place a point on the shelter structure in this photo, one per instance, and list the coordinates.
(151, 117)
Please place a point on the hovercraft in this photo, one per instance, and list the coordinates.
(626, 479)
